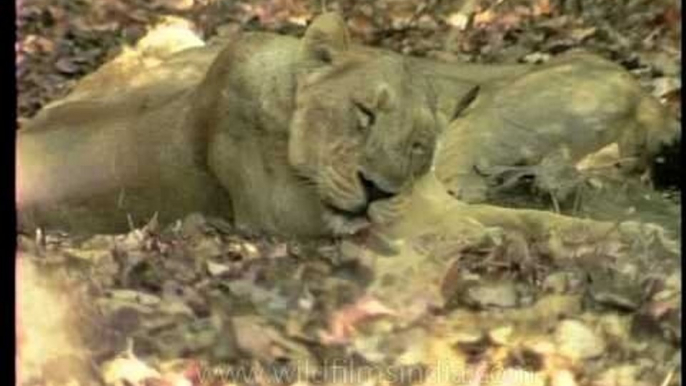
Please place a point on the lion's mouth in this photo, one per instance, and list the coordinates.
(348, 214)
(372, 190)
(357, 217)
(372, 193)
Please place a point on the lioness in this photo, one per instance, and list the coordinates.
(286, 136)
(306, 137)
(559, 112)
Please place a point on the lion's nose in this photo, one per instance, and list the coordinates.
(372, 191)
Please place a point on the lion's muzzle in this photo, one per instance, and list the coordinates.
(349, 220)
(372, 190)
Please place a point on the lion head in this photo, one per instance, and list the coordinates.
(364, 126)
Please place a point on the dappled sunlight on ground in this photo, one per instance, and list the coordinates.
(47, 334)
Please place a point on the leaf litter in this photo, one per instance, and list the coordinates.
(201, 303)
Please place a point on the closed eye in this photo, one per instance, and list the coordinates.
(366, 117)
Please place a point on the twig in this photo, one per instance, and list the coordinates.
(556, 205)
(668, 378)
(577, 199)
(129, 219)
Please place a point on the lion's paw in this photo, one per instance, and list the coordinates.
(345, 226)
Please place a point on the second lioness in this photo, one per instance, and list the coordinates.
(300, 137)
(553, 114)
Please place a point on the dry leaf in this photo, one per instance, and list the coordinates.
(66, 66)
(542, 7)
(581, 34)
(361, 25)
(176, 5)
(484, 18)
(342, 323)
(128, 370)
(458, 20)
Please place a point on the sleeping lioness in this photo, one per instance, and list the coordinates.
(300, 137)
(558, 112)
(303, 137)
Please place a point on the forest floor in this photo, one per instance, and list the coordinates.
(200, 304)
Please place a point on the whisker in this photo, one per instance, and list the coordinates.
(304, 180)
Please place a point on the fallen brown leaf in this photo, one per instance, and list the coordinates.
(66, 66)
(542, 8)
(342, 323)
(483, 18)
(176, 5)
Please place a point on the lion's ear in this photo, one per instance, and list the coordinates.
(326, 35)
(385, 99)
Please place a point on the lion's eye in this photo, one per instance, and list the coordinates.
(365, 117)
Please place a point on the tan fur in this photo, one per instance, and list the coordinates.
(566, 109)
(272, 132)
